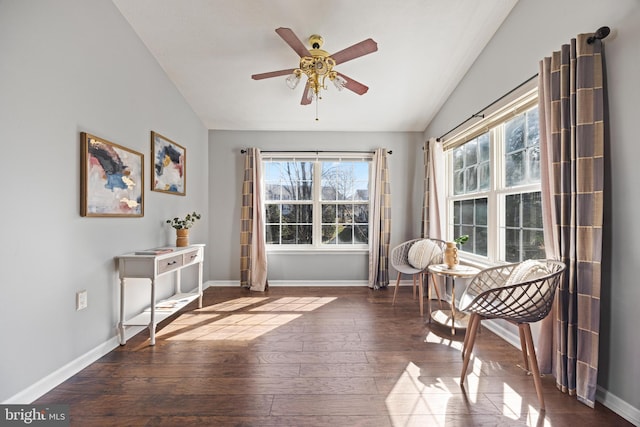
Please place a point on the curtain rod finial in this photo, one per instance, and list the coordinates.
(600, 34)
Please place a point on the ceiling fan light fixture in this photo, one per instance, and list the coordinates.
(293, 79)
(339, 82)
(310, 93)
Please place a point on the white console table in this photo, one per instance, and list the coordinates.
(133, 266)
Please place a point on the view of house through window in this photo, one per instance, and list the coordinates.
(317, 203)
(494, 194)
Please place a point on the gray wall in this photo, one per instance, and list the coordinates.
(69, 66)
(225, 183)
(533, 30)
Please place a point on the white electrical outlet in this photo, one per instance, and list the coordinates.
(81, 300)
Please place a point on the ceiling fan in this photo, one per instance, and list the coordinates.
(318, 66)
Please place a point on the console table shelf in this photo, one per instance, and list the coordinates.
(162, 310)
(135, 266)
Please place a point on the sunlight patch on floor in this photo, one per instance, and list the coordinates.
(295, 304)
(410, 397)
(206, 325)
(435, 339)
(194, 318)
(234, 304)
(515, 407)
(472, 380)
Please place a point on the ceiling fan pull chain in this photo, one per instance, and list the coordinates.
(317, 102)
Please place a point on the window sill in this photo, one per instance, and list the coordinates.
(316, 251)
(476, 262)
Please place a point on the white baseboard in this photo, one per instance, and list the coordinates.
(508, 335)
(59, 376)
(619, 406)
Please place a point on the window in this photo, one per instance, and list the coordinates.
(494, 193)
(317, 203)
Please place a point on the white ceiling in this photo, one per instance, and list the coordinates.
(210, 49)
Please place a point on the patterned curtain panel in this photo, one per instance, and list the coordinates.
(381, 222)
(572, 112)
(433, 201)
(253, 254)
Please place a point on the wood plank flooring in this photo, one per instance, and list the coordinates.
(322, 356)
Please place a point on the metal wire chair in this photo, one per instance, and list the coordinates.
(521, 293)
(400, 262)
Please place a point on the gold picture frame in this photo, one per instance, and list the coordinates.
(112, 179)
(168, 165)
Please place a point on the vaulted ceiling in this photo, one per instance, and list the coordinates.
(210, 49)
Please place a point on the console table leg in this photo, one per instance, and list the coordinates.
(122, 337)
(152, 322)
(200, 280)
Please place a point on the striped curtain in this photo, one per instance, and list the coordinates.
(253, 254)
(572, 113)
(380, 222)
(433, 201)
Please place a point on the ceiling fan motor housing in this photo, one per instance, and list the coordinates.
(315, 41)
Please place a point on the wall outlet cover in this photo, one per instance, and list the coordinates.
(81, 300)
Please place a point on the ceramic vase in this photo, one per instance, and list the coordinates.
(451, 255)
(182, 238)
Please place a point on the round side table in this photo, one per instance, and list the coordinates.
(453, 317)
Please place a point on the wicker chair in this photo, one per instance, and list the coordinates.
(400, 262)
(521, 293)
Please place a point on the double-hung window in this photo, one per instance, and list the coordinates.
(319, 202)
(494, 186)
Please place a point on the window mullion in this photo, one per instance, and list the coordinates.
(496, 201)
(317, 207)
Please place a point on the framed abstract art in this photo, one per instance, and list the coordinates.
(112, 181)
(168, 165)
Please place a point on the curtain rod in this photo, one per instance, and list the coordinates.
(600, 34)
(479, 114)
(316, 151)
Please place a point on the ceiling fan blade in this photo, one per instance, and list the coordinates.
(353, 85)
(365, 47)
(272, 74)
(293, 41)
(306, 100)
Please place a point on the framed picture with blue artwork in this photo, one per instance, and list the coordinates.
(112, 181)
(168, 166)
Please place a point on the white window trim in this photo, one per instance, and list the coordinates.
(318, 247)
(518, 102)
(510, 106)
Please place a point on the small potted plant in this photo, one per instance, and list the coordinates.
(461, 240)
(182, 226)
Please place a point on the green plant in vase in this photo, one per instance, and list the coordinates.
(461, 240)
(182, 226)
(184, 223)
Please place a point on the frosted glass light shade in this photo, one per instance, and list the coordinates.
(292, 80)
(339, 82)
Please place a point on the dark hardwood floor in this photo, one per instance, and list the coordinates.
(341, 356)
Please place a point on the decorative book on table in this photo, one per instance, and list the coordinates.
(154, 251)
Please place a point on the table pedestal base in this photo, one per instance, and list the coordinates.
(446, 318)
